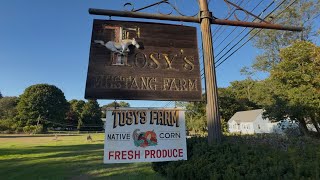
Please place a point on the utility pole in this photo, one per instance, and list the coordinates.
(212, 108)
(205, 20)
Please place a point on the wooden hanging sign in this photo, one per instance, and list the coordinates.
(143, 61)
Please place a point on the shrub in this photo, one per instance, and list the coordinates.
(33, 129)
(7, 126)
(242, 159)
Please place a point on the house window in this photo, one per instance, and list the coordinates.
(258, 126)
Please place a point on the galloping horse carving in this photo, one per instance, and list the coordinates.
(119, 47)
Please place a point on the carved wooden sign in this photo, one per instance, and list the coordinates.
(147, 61)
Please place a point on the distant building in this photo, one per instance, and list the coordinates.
(249, 122)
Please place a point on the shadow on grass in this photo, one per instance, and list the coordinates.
(36, 136)
(84, 161)
(50, 149)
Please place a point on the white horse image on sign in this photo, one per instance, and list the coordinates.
(121, 47)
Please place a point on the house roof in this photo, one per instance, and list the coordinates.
(246, 116)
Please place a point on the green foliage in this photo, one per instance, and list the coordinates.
(300, 13)
(91, 116)
(237, 97)
(246, 158)
(8, 112)
(196, 117)
(1, 95)
(296, 84)
(8, 108)
(232, 99)
(73, 116)
(42, 103)
(33, 129)
(115, 104)
(7, 126)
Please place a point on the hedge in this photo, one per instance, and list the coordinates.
(238, 157)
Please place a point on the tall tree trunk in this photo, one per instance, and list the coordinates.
(303, 127)
(315, 123)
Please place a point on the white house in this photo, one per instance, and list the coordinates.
(249, 122)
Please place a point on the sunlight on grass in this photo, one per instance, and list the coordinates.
(67, 157)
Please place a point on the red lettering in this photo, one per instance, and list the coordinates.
(123, 154)
(180, 153)
(174, 152)
(169, 153)
(117, 155)
(152, 153)
(130, 154)
(159, 155)
(164, 153)
(137, 155)
(110, 154)
(146, 153)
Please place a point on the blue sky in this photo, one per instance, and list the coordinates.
(48, 42)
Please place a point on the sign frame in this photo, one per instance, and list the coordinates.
(154, 140)
(143, 61)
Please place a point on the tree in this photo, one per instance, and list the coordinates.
(300, 13)
(296, 83)
(231, 100)
(1, 95)
(8, 108)
(196, 116)
(73, 116)
(91, 116)
(113, 104)
(42, 104)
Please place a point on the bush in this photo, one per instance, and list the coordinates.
(7, 126)
(242, 159)
(33, 129)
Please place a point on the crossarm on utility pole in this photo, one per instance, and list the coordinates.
(131, 14)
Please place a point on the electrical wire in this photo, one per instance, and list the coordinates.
(238, 26)
(248, 32)
(253, 35)
(246, 36)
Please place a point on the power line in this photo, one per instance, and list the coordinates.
(227, 17)
(253, 35)
(248, 32)
(244, 30)
(225, 27)
(246, 36)
(238, 26)
(219, 28)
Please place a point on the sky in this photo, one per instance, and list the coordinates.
(49, 41)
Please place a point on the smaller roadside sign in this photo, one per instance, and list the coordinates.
(144, 135)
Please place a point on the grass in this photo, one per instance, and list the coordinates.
(67, 157)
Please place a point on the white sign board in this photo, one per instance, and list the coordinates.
(144, 135)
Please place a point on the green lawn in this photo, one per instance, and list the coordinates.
(68, 157)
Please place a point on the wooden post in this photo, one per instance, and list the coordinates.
(213, 116)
